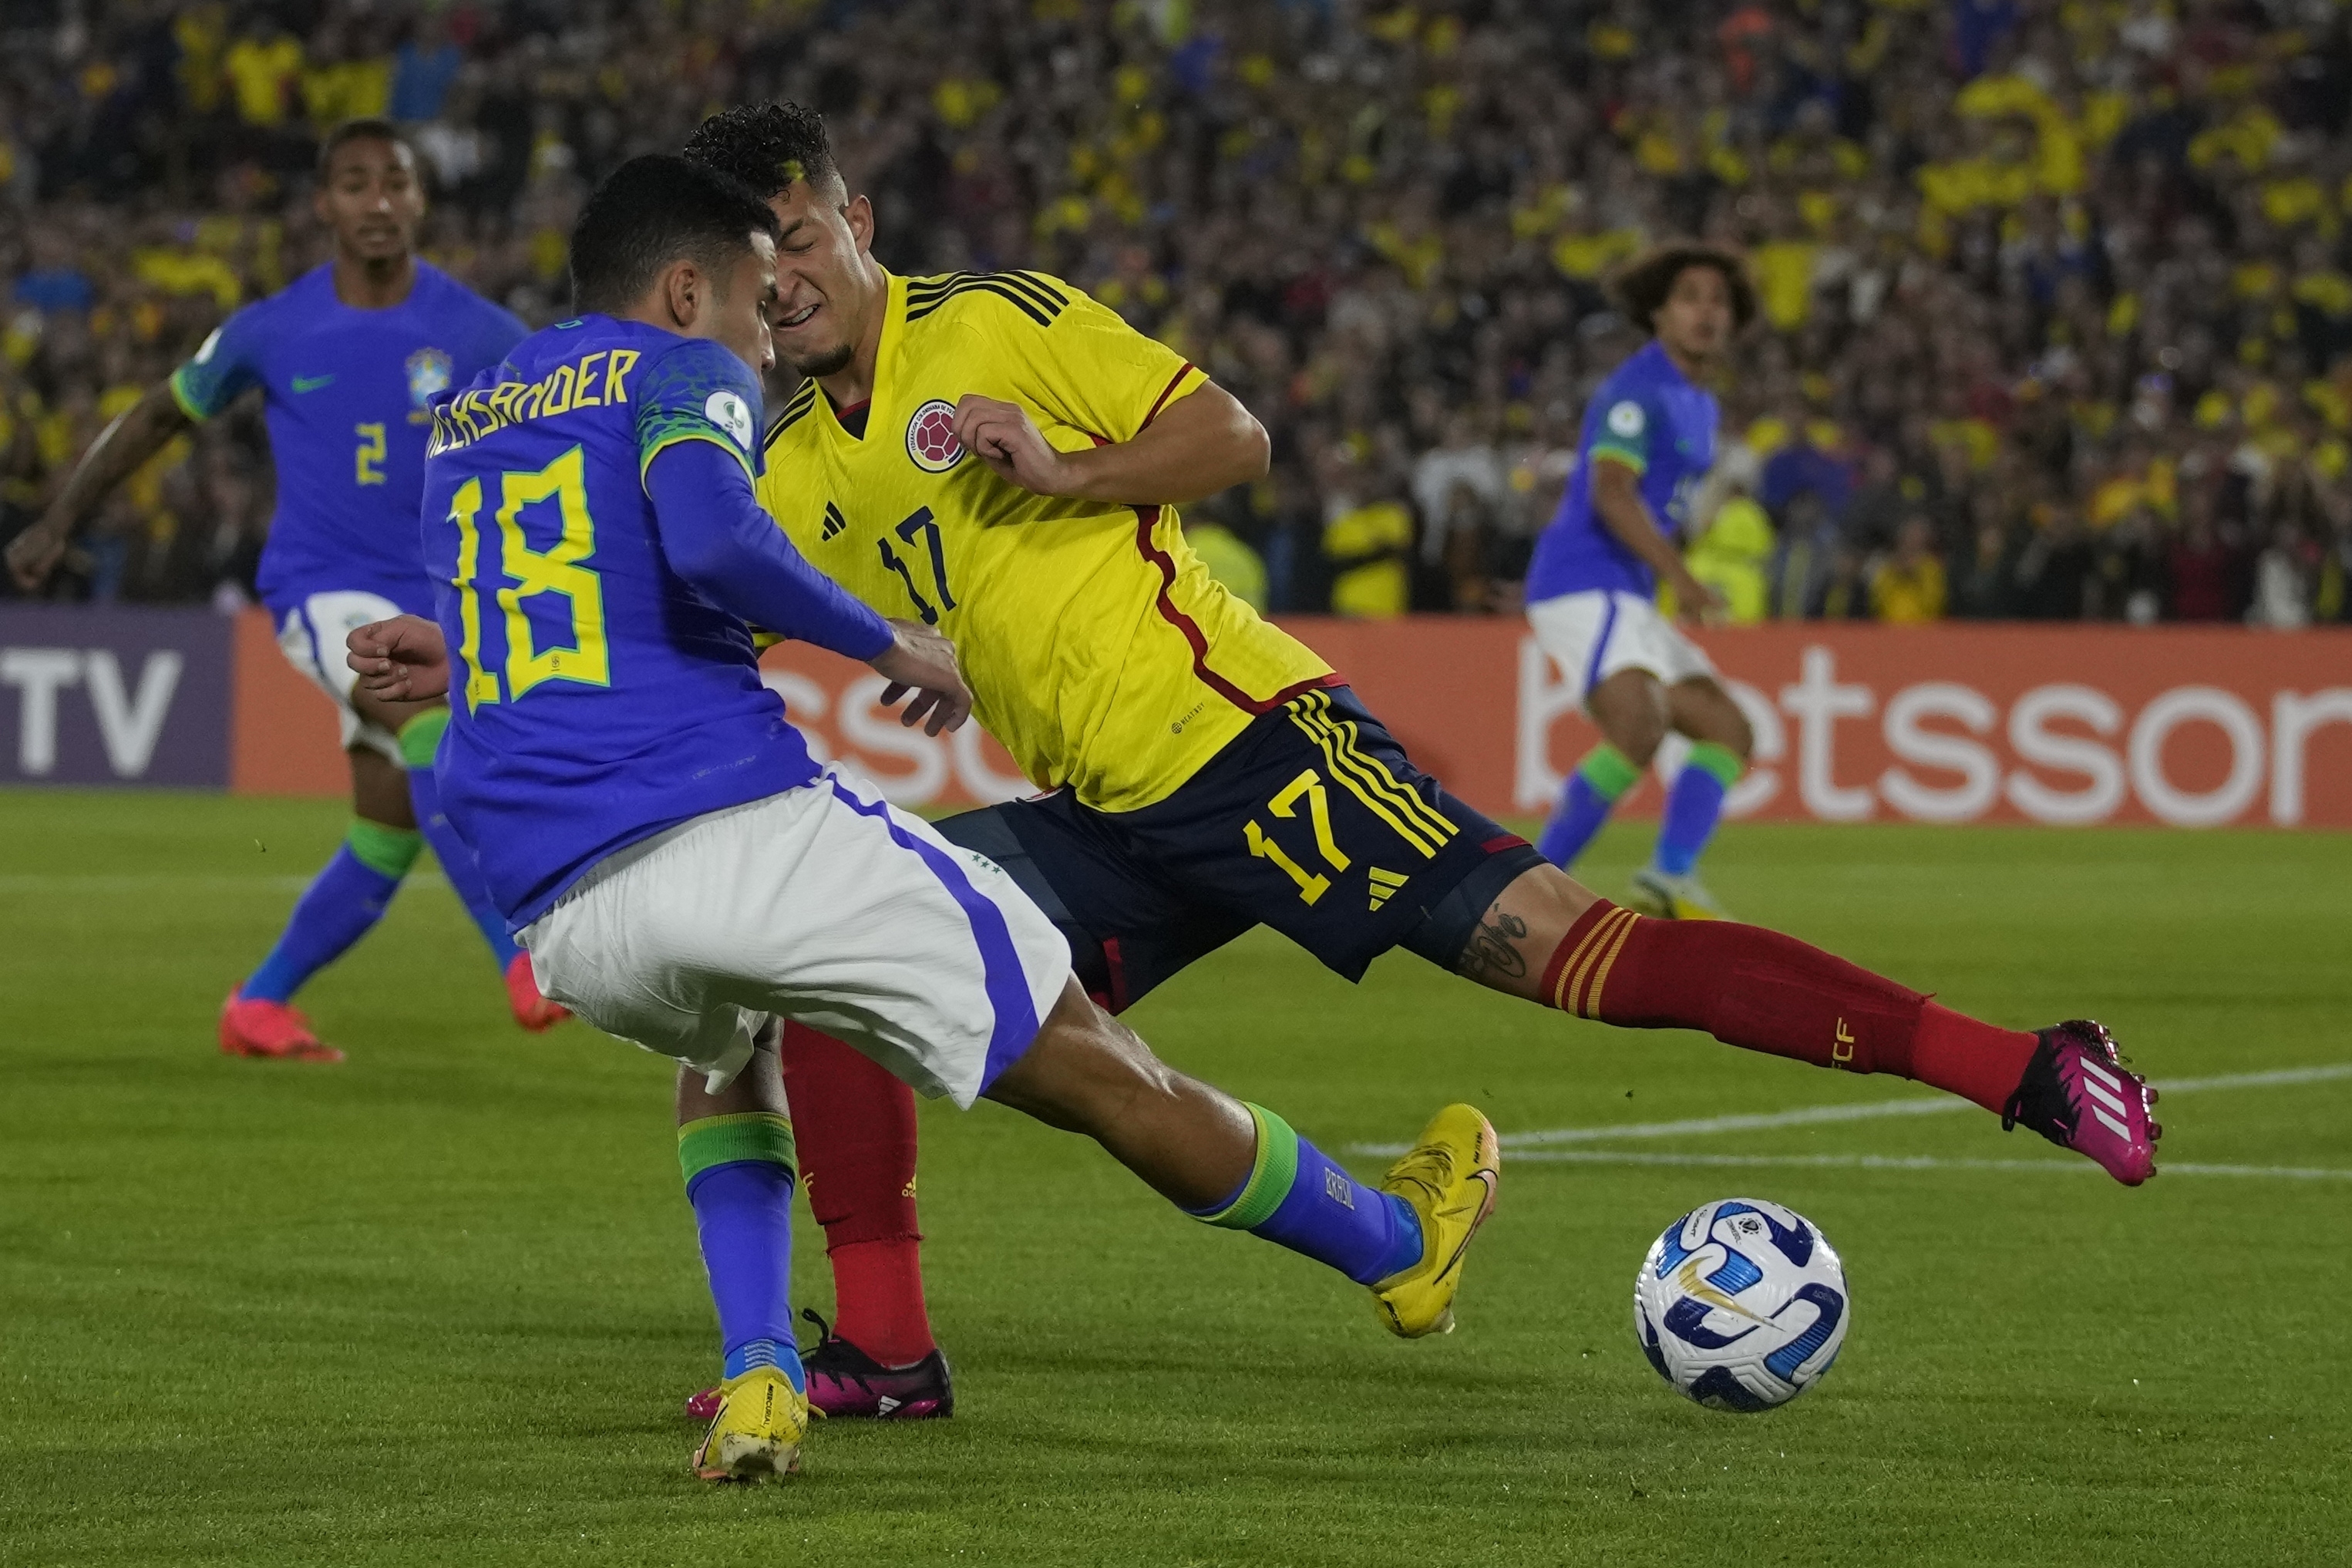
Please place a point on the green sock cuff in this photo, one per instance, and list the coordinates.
(1609, 771)
(711, 1141)
(1270, 1177)
(1721, 761)
(421, 737)
(388, 851)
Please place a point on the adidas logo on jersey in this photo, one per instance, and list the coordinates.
(1384, 885)
(834, 521)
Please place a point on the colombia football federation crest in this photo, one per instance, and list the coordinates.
(931, 438)
(428, 374)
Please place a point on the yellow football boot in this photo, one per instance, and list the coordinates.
(1668, 898)
(1449, 1178)
(758, 1431)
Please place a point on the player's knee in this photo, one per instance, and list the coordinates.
(1638, 733)
(1630, 709)
(1739, 735)
(1083, 1072)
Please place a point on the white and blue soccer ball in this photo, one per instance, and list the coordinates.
(1741, 1304)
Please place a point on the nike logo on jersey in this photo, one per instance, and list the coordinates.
(834, 521)
(312, 382)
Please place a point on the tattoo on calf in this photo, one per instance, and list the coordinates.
(1491, 952)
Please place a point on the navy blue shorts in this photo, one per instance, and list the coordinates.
(1312, 821)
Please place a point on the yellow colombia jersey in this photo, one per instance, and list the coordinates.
(1098, 648)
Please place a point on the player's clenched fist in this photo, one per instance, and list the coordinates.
(921, 660)
(1009, 441)
(403, 660)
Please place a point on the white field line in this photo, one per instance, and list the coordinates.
(1910, 1163)
(1869, 1110)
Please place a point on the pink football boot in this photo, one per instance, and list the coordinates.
(2076, 1093)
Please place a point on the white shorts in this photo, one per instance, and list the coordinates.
(1593, 636)
(824, 904)
(311, 636)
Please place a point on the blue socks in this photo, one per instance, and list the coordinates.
(344, 901)
(341, 904)
(738, 1177)
(1296, 1196)
(1694, 806)
(420, 738)
(1599, 781)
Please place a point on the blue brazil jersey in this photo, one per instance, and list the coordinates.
(1648, 415)
(348, 395)
(598, 698)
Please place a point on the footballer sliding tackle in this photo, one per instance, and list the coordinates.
(684, 875)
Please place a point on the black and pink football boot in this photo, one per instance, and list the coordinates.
(2077, 1093)
(844, 1382)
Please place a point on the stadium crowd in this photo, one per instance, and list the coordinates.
(2057, 320)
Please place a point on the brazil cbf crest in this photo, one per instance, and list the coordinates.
(428, 375)
(931, 438)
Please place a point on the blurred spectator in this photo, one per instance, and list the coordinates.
(1734, 557)
(1807, 559)
(1366, 537)
(1908, 588)
(1459, 487)
(2205, 570)
(1229, 559)
(2070, 282)
(427, 63)
(2281, 589)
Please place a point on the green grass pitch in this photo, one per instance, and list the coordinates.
(440, 1305)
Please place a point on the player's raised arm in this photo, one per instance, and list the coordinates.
(715, 536)
(1197, 446)
(1162, 433)
(136, 434)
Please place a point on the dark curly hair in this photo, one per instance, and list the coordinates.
(1642, 284)
(768, 146)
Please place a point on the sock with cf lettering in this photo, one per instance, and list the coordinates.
(1765, 992)
(1299, 1197)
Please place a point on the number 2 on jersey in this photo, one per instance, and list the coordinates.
(367, 460)
(923, 523)
(525, 574)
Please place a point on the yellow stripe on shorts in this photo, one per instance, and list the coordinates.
(1369, 779)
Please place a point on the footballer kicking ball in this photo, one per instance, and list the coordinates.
(1741, 1304)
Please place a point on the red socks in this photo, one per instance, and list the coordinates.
(855, 1128)
(1971, 1059)
(1765, 992)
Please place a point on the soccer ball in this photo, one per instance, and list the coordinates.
(1741, 1304)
